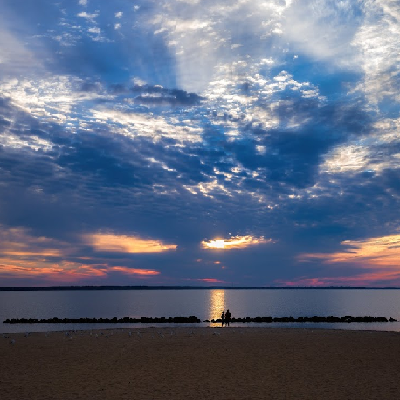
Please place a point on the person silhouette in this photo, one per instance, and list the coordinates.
(223, 318)
(227, 317)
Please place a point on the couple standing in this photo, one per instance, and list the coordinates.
(226, 317)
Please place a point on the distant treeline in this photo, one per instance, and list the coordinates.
(53, 288)
(190, 320)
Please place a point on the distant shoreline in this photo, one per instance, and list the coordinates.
(64, 288)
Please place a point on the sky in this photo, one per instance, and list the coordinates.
(200, 142)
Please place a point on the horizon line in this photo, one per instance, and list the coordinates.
(177, 287)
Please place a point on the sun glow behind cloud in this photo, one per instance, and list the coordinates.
(234, 242)
(107, 242)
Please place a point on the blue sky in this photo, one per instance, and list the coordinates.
(191, 142)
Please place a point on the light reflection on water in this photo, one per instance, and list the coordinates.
(217, 303)
(203, 303)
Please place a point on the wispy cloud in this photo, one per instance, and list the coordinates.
(205, 280)
(234, 242)
(372, 261)
(21, 244)
(66, 271)
(382, 278)
(134, 271)
(372, 252)
(108, 242)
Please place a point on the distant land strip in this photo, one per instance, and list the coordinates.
(54, 288)
(192, 319)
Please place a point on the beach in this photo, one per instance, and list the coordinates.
(201, 363)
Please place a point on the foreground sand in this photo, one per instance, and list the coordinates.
(210, 363)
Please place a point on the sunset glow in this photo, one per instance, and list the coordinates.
(210, 280)
(234, 242)
(66, 271)
(135, 271)
(126, 244)
(373, 252)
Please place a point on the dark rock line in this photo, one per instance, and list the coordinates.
(329, 319)
(145, 320)
(191, 320)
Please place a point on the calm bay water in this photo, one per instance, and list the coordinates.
(203, 303)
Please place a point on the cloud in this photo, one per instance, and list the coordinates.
(37, 258)
(20, 244)
(15, 56)
(378, 40)
(62, 272)
(65, 271)
(366, 262)
(368, 279)
(205, 280)
(234, 242)
(270, 123)
(107, 242)
(372, 252)
(324, 30)
(134, 271)
(157, 95)
(90, 17)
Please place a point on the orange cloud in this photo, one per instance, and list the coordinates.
(18, 242)
(65, 271)
(373, 252)
(210, 280)
(42, 253)
(25, 256)
(107, 242)
(374, 278)
(58, 272)
(234, 242)
(378, 257)
(207, 280)
(134, 271)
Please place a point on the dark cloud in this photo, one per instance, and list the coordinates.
(172, 97)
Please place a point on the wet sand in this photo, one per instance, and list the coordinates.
(201, 363)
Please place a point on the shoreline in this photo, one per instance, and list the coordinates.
(201, 362)
(194, 327)
(195, 320)
(15, 329)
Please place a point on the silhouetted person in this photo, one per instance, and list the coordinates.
(223, 318)
(228, 316)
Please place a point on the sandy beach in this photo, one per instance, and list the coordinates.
(201, 363)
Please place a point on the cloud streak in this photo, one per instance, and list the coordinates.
(107, 242)
(234, 242)
(372, 252)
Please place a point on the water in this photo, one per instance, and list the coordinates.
(203, 303)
